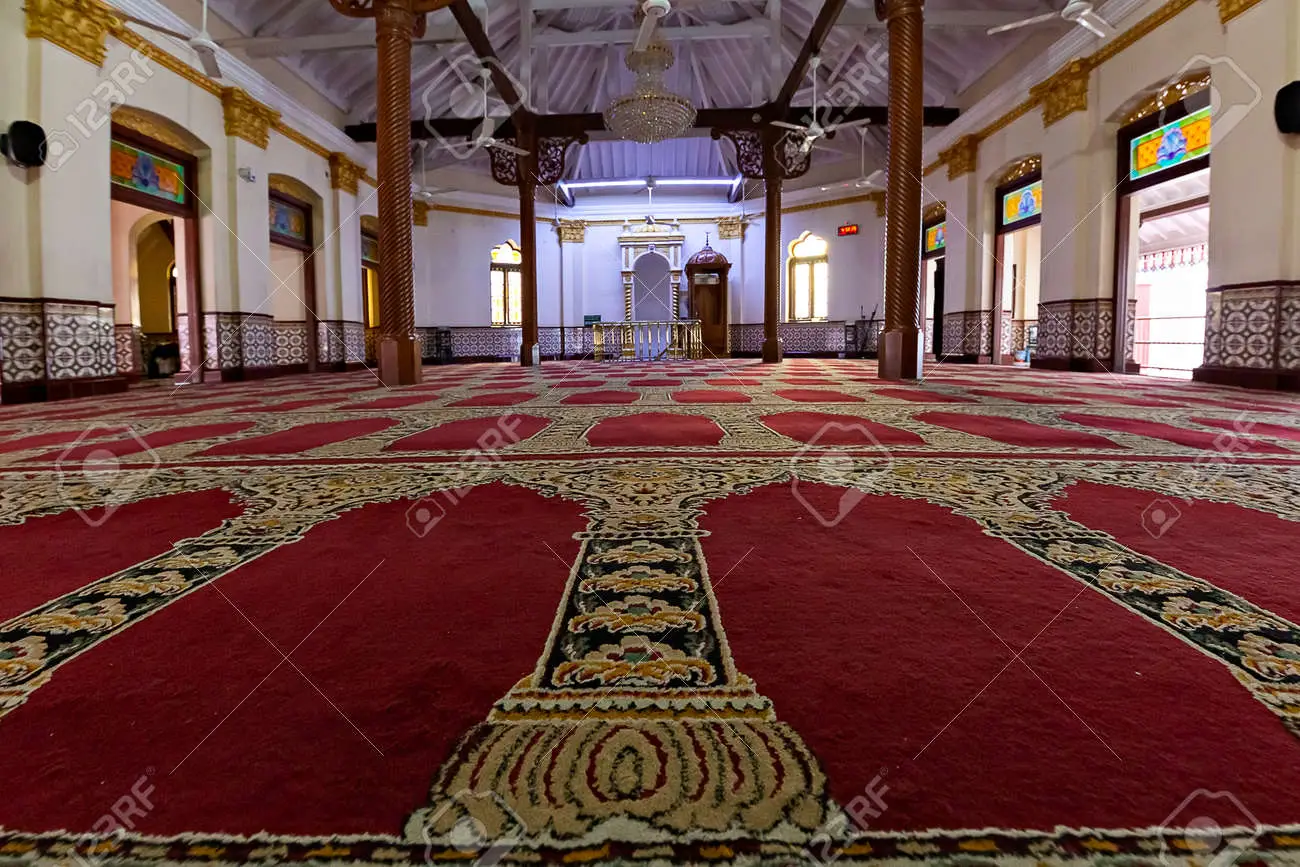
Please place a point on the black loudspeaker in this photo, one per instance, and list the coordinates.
(24, 144)
(1286, 109)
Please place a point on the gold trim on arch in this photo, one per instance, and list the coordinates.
(139, 121)
(1179, 90)
(1019, 169)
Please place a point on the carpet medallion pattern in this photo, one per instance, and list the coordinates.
(636, 737)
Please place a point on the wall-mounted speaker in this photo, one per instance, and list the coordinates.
(24, 144)
(1286, 108)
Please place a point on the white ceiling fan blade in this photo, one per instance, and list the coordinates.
(852, 124)
(150, 25)
(787, 125)
(508, 148)
(1094, 22)
(646, 33)
(1016, 25)
(206, 50)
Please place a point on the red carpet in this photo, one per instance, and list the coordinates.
(504, 398)
(838, 430)
(1182, 436)
(1016, 432)
(809, 395)
(399, 401)
(301, 438)
(710, 395)
(655, 429)
(600, 397)
(1258, 428)
(135, 444)
(473, 433)
(917, 396)
(1022, 396)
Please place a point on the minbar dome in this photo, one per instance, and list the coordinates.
(707, 256)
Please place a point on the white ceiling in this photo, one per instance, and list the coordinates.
(742, 57)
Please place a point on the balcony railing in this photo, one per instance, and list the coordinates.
(646, 341)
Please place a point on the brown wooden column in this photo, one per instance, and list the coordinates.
(396, 22)
(772, 177)
(903, 344)
(528, 240)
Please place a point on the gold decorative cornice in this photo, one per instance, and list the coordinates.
(1179, 90)
(78, 26)
(138, 121)
(731, 229)
(934, 212)
(247, 118)
(1021, 168)
(1230, 9)
(370, 225)
(572, 231)
(1065, 93)
(961, 156)
(368, 178)
(301, 140)
(344, 173)
(290, 186)
(1130, 37)
(420, 213)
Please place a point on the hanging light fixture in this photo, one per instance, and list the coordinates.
(650, 113)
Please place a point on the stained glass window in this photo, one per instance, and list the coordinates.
(139, 170)
(1022, 204)
(507, 294)
(936, 237)
(809, 278)
(287, 221)
(1174, 143)
(369, 248)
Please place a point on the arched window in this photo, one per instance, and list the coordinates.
(507, 292)
(809, 277)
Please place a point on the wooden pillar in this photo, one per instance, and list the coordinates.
(395, 25)
(903, 344)
(771, 255)
(527, 139)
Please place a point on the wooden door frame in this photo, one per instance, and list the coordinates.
(188, 213)
(305, 246)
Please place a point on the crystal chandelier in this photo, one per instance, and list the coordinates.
(650, 113)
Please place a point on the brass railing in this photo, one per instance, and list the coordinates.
(646, 341)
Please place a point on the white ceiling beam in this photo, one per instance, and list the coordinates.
(743, 30)
(526, 47)
(279, 46)
(566, 5)
(776, 65)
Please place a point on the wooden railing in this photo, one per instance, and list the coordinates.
(646, 341)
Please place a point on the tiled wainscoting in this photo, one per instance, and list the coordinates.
(55, 348)
(797, 338)
(1252, 336)
(1079, 334)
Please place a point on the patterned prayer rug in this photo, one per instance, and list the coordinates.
(683, 613)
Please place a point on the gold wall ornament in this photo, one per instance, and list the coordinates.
(1230, 9)
(149, 126)
(934, 211)
(1019, 169)
(961, 156)
(420, 213)
(247, 118)
(78, 26)
(1065, 93)
(288, 185)
(1167, 96)
(731, 229)
(344, 173)
(572, 231)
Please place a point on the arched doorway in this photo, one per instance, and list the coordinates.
(154, 183)
(652, 288)
(1018, 199)
(291, 290)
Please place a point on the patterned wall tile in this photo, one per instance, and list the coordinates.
(79, 341)
(22, 341)
(290, 342)
(486, 342)
(129, 349)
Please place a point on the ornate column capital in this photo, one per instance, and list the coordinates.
(731, 229)
(572, 231)
(886, 9)
(78, 26)
(420, 213)
(1230, 9)
(961, 157)
(1065, 92)
(247, 118)
(344, 173)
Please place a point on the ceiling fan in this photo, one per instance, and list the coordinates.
(484, 138)
(815, 130)
(864, 181)
(1079, 12)
(200, 43)
(419, 191)
(650, 13)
